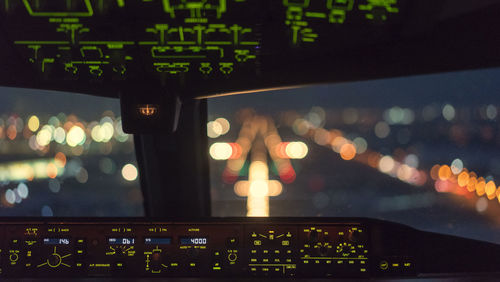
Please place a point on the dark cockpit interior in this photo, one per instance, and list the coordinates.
(165, 60)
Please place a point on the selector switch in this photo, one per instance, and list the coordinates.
(313, 236)
(232, 242)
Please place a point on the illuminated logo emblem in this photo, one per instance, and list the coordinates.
(148, 110)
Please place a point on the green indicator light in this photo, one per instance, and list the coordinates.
(295, 3)
(195, 8)
(316, 15)
(194, 20)
(205, 68)
(89, 50)
(218, 43)
(172, 68)
(243, 55)
(338, 10)
(106, 43)
(95, 70)
(181, 43)
(226, 68)
(47, 61)
(121, 3)
(148, 42)
(89, 63)
(250, 43)
(88, 13)
(121, 69)
(41, 42)
(378, 5)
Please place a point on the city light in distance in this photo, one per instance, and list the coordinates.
(348, 152)
(33, 123)
(225, 151)
(292, 150)
(129, 172)
(76, 136)
(218, 127)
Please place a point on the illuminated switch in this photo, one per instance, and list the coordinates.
(383, 265)
(232, 242)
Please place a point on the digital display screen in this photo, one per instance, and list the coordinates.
(56, 241)
(121, 241)
(193, 240)
(158, 241)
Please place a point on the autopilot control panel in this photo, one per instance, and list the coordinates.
(226, 248)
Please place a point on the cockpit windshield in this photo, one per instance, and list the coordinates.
(422, 151)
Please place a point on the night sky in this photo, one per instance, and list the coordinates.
(466, 88)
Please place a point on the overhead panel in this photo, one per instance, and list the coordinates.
(184, 42)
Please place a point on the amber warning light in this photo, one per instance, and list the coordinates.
(148, 110)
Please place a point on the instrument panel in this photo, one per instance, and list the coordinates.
(213, 248)
(183, 43)
(99, 39)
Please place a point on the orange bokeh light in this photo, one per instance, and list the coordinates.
(51, 170)
(60, 159)
(463, 179)
(444, 172)
(348, 152)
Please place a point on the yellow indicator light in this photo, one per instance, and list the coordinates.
(148, 110)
